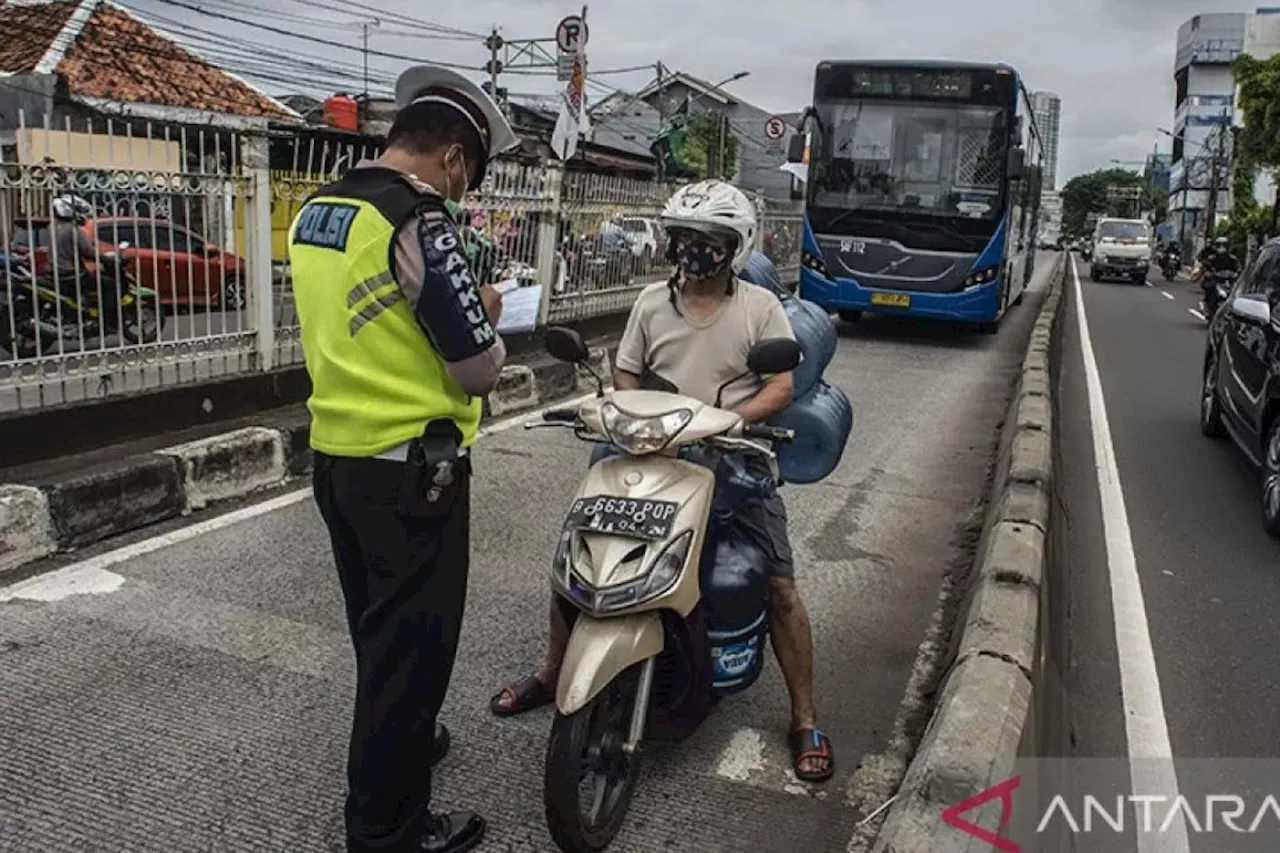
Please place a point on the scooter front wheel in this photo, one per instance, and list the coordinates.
(589, 777)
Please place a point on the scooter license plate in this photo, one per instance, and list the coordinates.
(632, 517)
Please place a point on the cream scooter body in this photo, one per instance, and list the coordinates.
(604, 644)
(626, 572)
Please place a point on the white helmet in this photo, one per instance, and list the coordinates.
(71, 207)
(716, 208)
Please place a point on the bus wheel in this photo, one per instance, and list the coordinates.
(850, 315)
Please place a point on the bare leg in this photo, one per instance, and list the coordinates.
(525, 693)
(793, 645)
(557, 644)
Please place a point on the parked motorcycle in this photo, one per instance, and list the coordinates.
(666, 603)
(39, 313)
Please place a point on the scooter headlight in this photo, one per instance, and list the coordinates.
(639, 436)
(657, 582)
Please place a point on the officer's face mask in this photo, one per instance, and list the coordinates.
(454, 181)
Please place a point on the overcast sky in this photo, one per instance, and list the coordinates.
(1111, 61)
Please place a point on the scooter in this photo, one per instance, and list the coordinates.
(1169, 265)
(667, 608)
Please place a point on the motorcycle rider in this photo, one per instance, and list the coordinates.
(694, 331)
(72, 253)
(1218, 257)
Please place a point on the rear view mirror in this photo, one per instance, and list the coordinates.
(1253, 311)
(795, 148)
(773, 355)
(566, 345)
(1017, 163)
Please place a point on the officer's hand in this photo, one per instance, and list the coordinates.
(492, 300)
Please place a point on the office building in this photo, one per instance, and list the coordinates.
(1204, 103)
(1047, 108)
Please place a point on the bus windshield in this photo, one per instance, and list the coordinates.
(939, 158)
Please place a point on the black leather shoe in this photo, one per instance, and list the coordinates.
(452, 833)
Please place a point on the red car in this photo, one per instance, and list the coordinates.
(171, 260)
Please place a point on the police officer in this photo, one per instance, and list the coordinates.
(400, 346)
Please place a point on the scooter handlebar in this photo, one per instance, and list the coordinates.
(768, 433)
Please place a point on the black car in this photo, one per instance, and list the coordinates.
(1240, 389)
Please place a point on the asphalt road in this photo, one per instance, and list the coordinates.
(1209, 575)
(196, 697)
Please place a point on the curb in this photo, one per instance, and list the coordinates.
(985, 698)
(39, 519)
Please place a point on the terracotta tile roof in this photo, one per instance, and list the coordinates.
(115, 56)
(29, 31)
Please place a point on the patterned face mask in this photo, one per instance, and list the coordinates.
(700, 258)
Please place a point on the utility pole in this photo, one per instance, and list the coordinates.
(495, 44)
(720, 158)
(1211, 209)
(365, 27)
(662, 110)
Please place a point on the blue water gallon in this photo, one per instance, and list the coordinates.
(816, 335)
(822, 420)
(811, 325)
(761, 271)
(734, 579)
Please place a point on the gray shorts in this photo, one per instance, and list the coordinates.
(765, 521)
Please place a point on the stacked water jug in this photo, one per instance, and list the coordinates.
(821, 414)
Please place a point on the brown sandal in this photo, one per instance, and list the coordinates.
(808, 744)
(526, 694)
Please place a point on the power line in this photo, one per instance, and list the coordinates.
(388, 16)
(312, 39)
(257, 49)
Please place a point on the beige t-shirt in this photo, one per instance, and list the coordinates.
(698, 357)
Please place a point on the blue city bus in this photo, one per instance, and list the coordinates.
(923, 190)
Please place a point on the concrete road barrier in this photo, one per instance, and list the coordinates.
(83, 507)
(985, 698)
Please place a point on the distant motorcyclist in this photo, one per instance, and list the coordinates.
(74, 256)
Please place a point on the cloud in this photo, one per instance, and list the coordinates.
(1111, 61)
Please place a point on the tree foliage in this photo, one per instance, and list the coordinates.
(1258, 142)
(690, 146)
(702, 149)
(1085, 194)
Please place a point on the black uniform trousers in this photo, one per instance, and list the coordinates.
(404, 578)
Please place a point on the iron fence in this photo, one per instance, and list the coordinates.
(178, 271)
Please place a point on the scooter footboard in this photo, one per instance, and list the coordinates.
(600, 650)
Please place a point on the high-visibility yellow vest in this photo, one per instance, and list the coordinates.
(376, 381)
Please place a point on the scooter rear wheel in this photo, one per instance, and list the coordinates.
(585, 756)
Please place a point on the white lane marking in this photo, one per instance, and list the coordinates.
(1166, 294)
(72, 579)
(86, 580)
(1151, 768)
(1148, 283)
(741, 756)
(1195, 313)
